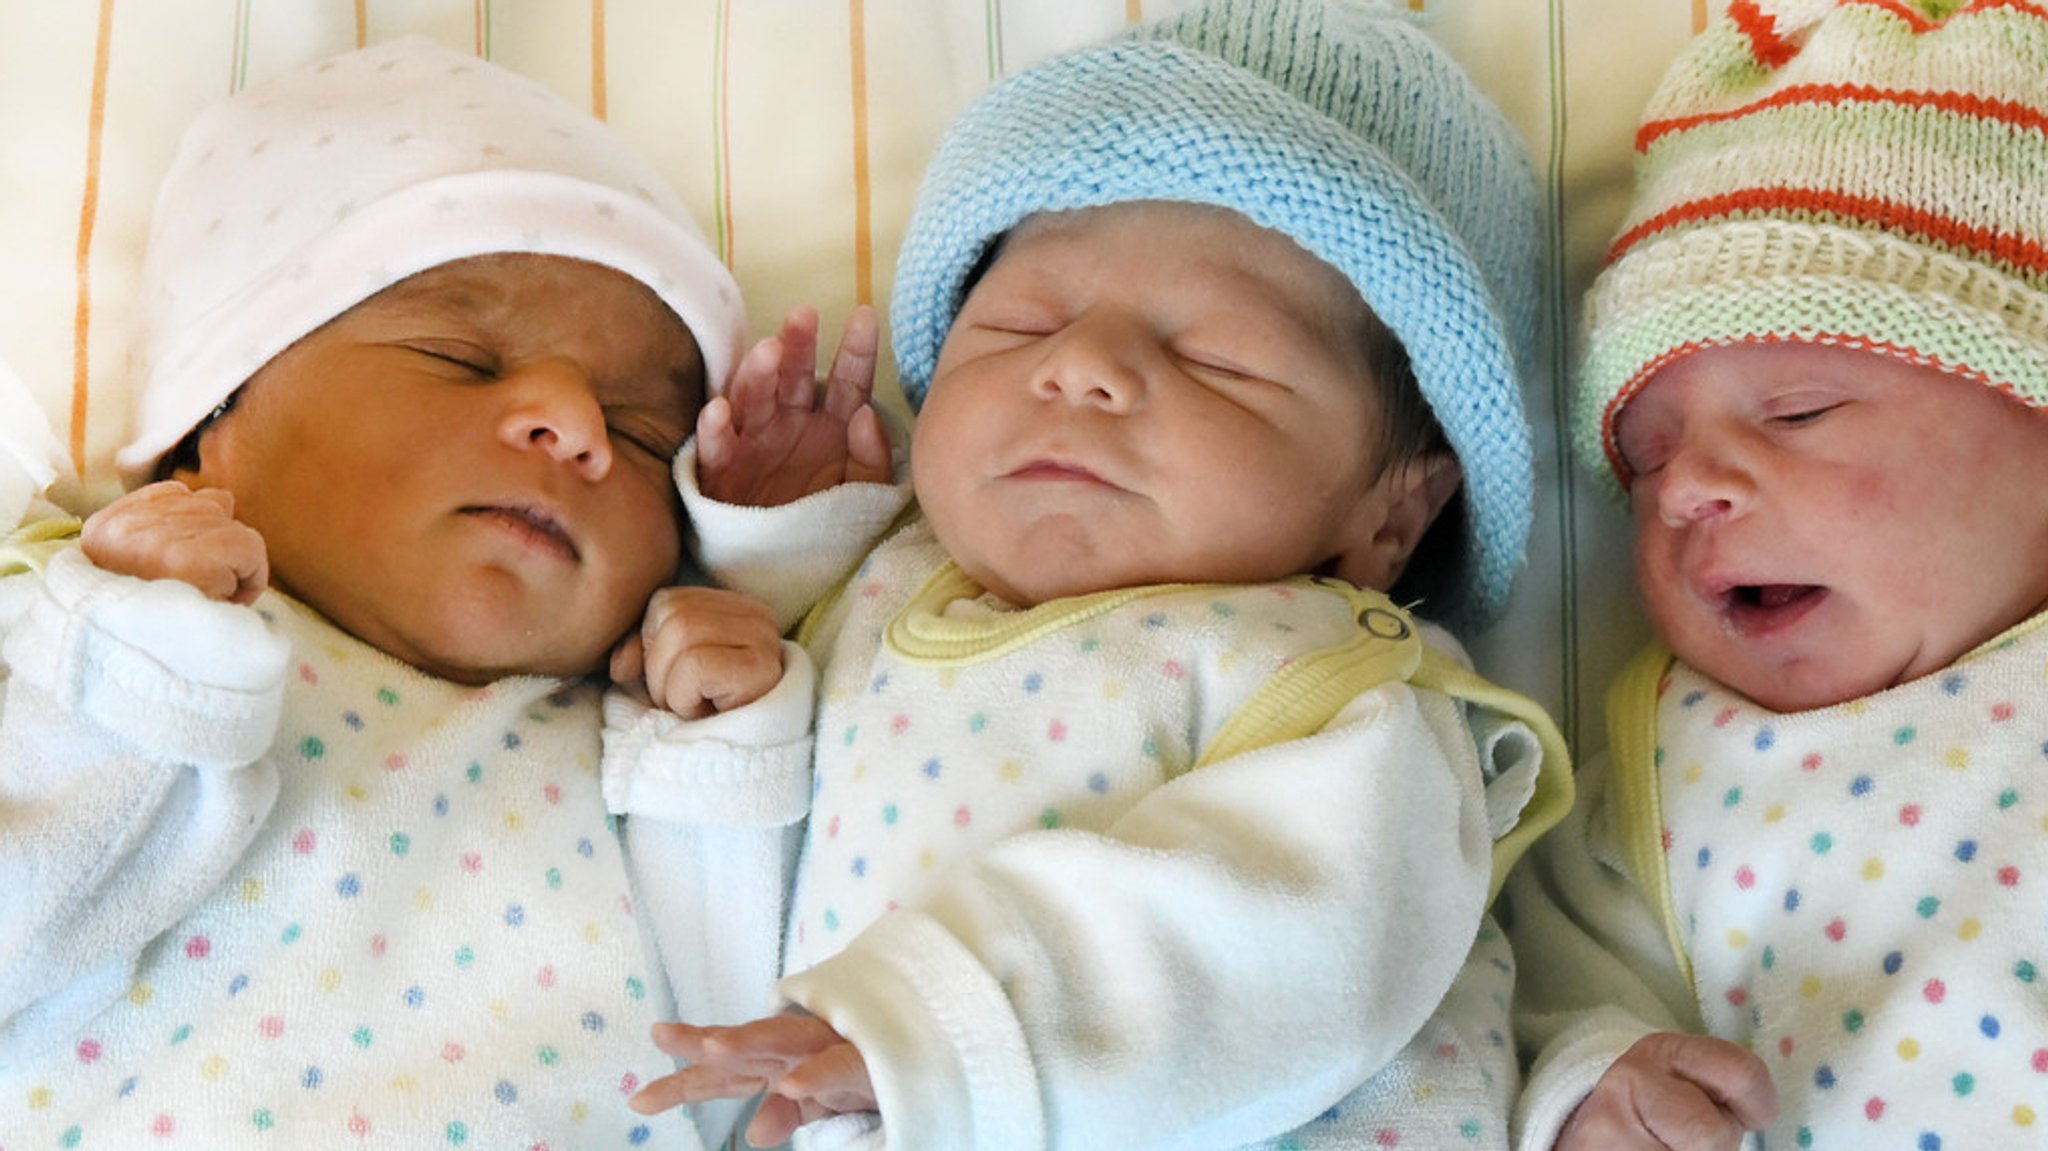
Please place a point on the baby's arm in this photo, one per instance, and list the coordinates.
(137, 712)
(1229, 958)
(788, 483)
(709, 760)
(1601, 1007)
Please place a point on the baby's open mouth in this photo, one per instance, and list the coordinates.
(1773, 595)
(1767, 607)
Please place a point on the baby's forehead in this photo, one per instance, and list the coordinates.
(1258, 267)
(492, 280)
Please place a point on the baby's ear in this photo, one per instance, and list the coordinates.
(1395, 515)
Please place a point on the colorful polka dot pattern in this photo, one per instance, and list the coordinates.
(921, 763)
(1862, 888)
(431, 944)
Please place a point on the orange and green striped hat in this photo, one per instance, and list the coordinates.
(1862, 173)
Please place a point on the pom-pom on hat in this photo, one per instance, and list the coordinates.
(1335, 122)
(303, 196)
(1861, 173)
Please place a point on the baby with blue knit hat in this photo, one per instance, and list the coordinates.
(310, 786)
(1147, 813)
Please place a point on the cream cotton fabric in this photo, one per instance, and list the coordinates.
(1853, 888)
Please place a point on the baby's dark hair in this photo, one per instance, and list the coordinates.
(1408, 431)
(184, 455)
(1409, 427)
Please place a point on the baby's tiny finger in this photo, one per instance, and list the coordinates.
(629, 661)
(836, 1077)
(714, 433)
(774, 1122)
(851, 381)
(867, 449)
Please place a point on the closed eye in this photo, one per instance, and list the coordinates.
(1216, 366)
(1018, 330)
(1225, 373)
(1803, 415)
(466, 357)
(644, 434)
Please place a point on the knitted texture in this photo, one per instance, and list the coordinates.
(301, 197)
(1862, 173)
(1335, 122)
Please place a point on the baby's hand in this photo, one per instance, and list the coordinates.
(169, 531)
(807, 1069)
(1677, 1091)
(702, 649)
(776, 436)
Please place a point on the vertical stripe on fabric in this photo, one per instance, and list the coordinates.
(863, 191)
(721, 130)
(482, 20)
(993, 14)
(362, 23)
(240, 77)
(1559, 322)
(88, 217)
(1699, 16)
(597, 76)
(1134, 11)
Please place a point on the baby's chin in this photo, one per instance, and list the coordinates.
(1806, 684)
(475, 648)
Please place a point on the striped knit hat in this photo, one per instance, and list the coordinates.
(1334, 122)
(1860, 173)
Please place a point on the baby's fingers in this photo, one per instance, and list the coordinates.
(798, 385)
(851, 382)
(700, 680)
(867, 449)
(776, 1120)
(716, 439)
(694, 1084)
(836, 1079)
(169, 531)
(709, 650)
(756, 386)
(723, 1048)
(1734, 1078)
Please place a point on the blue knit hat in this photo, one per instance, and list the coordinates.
(1335, 122)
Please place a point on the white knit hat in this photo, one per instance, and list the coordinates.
(300, 198)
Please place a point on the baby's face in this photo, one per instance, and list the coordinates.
(1150, 393)
(470, 470)
(1815, 524)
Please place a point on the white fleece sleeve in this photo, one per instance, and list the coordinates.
(135, 716)
(1247, 945)
(713, 813)
(1596, 970)
(789, 556)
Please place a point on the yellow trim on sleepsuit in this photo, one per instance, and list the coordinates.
(1632, 749)
(29, 547)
